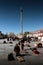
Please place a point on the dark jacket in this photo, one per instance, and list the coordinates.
(17, 49)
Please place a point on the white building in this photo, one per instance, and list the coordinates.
(40, 37)
(38, 34)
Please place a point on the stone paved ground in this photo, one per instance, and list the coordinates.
(30, 59)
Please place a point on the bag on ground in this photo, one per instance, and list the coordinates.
(10, 57)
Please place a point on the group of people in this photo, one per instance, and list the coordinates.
(18, 47)
(19, 50)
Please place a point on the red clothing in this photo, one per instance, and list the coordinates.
(36, 52)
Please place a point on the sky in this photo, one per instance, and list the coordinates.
(10, 15)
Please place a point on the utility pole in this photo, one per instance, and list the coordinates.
(21, 18)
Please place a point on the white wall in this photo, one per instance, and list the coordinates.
(1, 40)
(42, 39)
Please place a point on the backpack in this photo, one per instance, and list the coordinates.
(10, 57)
